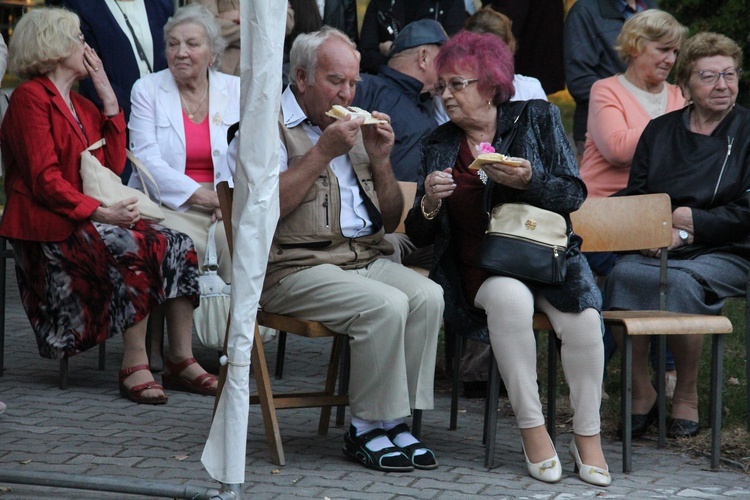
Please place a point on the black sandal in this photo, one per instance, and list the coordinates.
(425, 461)
(356, 449)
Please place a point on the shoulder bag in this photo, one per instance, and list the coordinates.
(104, 185)
(210, 318)
(523, 241)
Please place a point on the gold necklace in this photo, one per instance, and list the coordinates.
(191, 113)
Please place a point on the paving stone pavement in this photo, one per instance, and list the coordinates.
(89, 429)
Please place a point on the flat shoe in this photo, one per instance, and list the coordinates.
(355, 447)
(680, 428)
(640, 423)
(172, 378)
(424, 461)
(135, 393)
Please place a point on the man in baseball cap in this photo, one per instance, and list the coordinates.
(402, 89)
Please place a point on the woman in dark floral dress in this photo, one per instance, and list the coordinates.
(87, 272)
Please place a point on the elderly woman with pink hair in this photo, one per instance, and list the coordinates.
(448, 211)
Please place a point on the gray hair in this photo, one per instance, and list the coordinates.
(200, 15)
(304, 53)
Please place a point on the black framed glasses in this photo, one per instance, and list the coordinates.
(455, 85)
(708, 77)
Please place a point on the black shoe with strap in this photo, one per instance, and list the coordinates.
(390, 459)
(424, 461)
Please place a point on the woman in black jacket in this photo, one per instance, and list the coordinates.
(700, 157)
(448, 212)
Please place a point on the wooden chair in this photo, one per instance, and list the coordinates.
(270, 402)
(632, 223)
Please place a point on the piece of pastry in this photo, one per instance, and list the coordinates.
(340, 112)
(486, 158)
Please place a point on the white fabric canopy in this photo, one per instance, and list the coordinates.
(255, 214)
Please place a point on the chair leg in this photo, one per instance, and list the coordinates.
(343, 382)
(280, 351)
(337, 348)
(490, 418)
(551, 385)
(717, 369)
(102, 355)
(627, 402)
(456, 381)
(416, 423)
(155, 339)
(747, 353)
(3, 270)
(63, 382)
(267, 405)
(661, 390)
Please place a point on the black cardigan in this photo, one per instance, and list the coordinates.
(710, 174)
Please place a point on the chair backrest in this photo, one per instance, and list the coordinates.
(624, 223)
(627, 223)
(408, 190)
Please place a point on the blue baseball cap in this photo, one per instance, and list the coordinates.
(421, 32)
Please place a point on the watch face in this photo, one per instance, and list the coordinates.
(684, 235)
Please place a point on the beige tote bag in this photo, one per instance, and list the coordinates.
(104, 185)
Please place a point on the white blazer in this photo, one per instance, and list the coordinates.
(157, 132)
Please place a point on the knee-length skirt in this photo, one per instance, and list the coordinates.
(699, 285)
(100, 281)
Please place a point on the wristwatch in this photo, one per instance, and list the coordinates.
(684, 235)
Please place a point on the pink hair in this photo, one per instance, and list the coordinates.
(483, 54)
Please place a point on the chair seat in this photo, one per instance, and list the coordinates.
(301, 327)
(667, 323)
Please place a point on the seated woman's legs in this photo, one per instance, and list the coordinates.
(509, 305)
(583, 364)
(687, 353)
(134, 354)
(179, 314)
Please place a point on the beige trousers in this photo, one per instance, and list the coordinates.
(509, 305)
(195, 223)
(392, 316)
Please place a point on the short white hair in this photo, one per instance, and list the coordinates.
(304, 53)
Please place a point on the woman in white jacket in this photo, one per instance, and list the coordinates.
(178, 128)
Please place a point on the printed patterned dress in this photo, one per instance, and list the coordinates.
(100, 281)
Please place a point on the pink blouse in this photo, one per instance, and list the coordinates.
(198, 163)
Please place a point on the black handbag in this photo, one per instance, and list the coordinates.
(523, 241)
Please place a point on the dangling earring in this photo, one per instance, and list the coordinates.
(489, 104)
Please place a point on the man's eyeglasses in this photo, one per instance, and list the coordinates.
(712, 77)
(456, 85)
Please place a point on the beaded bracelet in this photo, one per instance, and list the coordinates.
(434, 213)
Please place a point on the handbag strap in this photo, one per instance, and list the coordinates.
(137, 165)
(138, 46)
(210, 262)
(502, 149)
